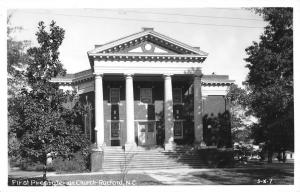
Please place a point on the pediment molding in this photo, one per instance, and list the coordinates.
(162, 42)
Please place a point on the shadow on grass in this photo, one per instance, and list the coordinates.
(249, 176)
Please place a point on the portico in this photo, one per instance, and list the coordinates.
(166, 82)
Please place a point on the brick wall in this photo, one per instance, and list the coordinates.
(212, 106)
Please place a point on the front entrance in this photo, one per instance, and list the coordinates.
(146, 133)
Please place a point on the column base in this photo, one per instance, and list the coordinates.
(170, 146)
(130, 146)
(200, 144)
(97, 159)
(100, 146)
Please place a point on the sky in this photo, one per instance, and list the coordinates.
(223, 33)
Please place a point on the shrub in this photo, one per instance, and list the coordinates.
(76, 163)
(217, 158)
(34, 166)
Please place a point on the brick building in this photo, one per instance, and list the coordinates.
(148, 89)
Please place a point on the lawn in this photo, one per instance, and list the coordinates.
(248, 174)
(264, 174)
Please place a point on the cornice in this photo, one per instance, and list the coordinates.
(147, 57)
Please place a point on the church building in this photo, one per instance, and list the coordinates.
(147, 90)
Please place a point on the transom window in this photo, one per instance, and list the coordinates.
(114, 95)
(177, 95)
(146, 95)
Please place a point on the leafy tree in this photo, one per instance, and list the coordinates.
(16, 64)
(16, 60)
(240, 114)
(270, 79)
(42, 122)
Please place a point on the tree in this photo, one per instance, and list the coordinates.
(240, 115)
(16, 64)
(41, 121)
(16, 60)
(270, 79)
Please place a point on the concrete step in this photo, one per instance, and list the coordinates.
(149, 159)
(153, 167)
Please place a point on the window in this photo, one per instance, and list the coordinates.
(177, 95)
(178, 130)
(88, 122)
(146, 95)
(114, 95)
(115, 130)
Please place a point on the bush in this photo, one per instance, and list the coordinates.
(76, 163)
(217, 158)
(34, 166)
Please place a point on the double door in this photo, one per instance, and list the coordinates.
(146, 133)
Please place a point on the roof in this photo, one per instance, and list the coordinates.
(222, 80)
(147, 33)
(216, 79)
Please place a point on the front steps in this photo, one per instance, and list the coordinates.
(116, 159)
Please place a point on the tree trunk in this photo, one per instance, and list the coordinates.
(270, 155)
(45, 171)
(283, 156)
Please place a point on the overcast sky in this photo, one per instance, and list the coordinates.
(224, 33)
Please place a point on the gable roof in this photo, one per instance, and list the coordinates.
(151, 34)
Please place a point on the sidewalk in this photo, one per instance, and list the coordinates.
(165, 176)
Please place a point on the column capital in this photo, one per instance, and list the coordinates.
(198, 73)
(128, 75)
(97, 75)
(167, 75)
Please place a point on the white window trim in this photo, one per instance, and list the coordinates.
(181, 123)
(141, 95)
(114, 138)
(110, 89)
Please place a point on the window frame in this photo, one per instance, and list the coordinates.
(151, 96)
(110, 98)
(178, 88)
(115, 138)
(181, 123)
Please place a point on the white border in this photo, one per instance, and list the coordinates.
(6, 4)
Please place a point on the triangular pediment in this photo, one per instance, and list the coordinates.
(147, 42)
(147, 47)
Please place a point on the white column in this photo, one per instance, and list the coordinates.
(168, 113)
(99, 115)
(130, 142)
(198, 124)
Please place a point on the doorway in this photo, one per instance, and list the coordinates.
(146, 133)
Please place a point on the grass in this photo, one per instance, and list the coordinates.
(265, 174)
(258, 173)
